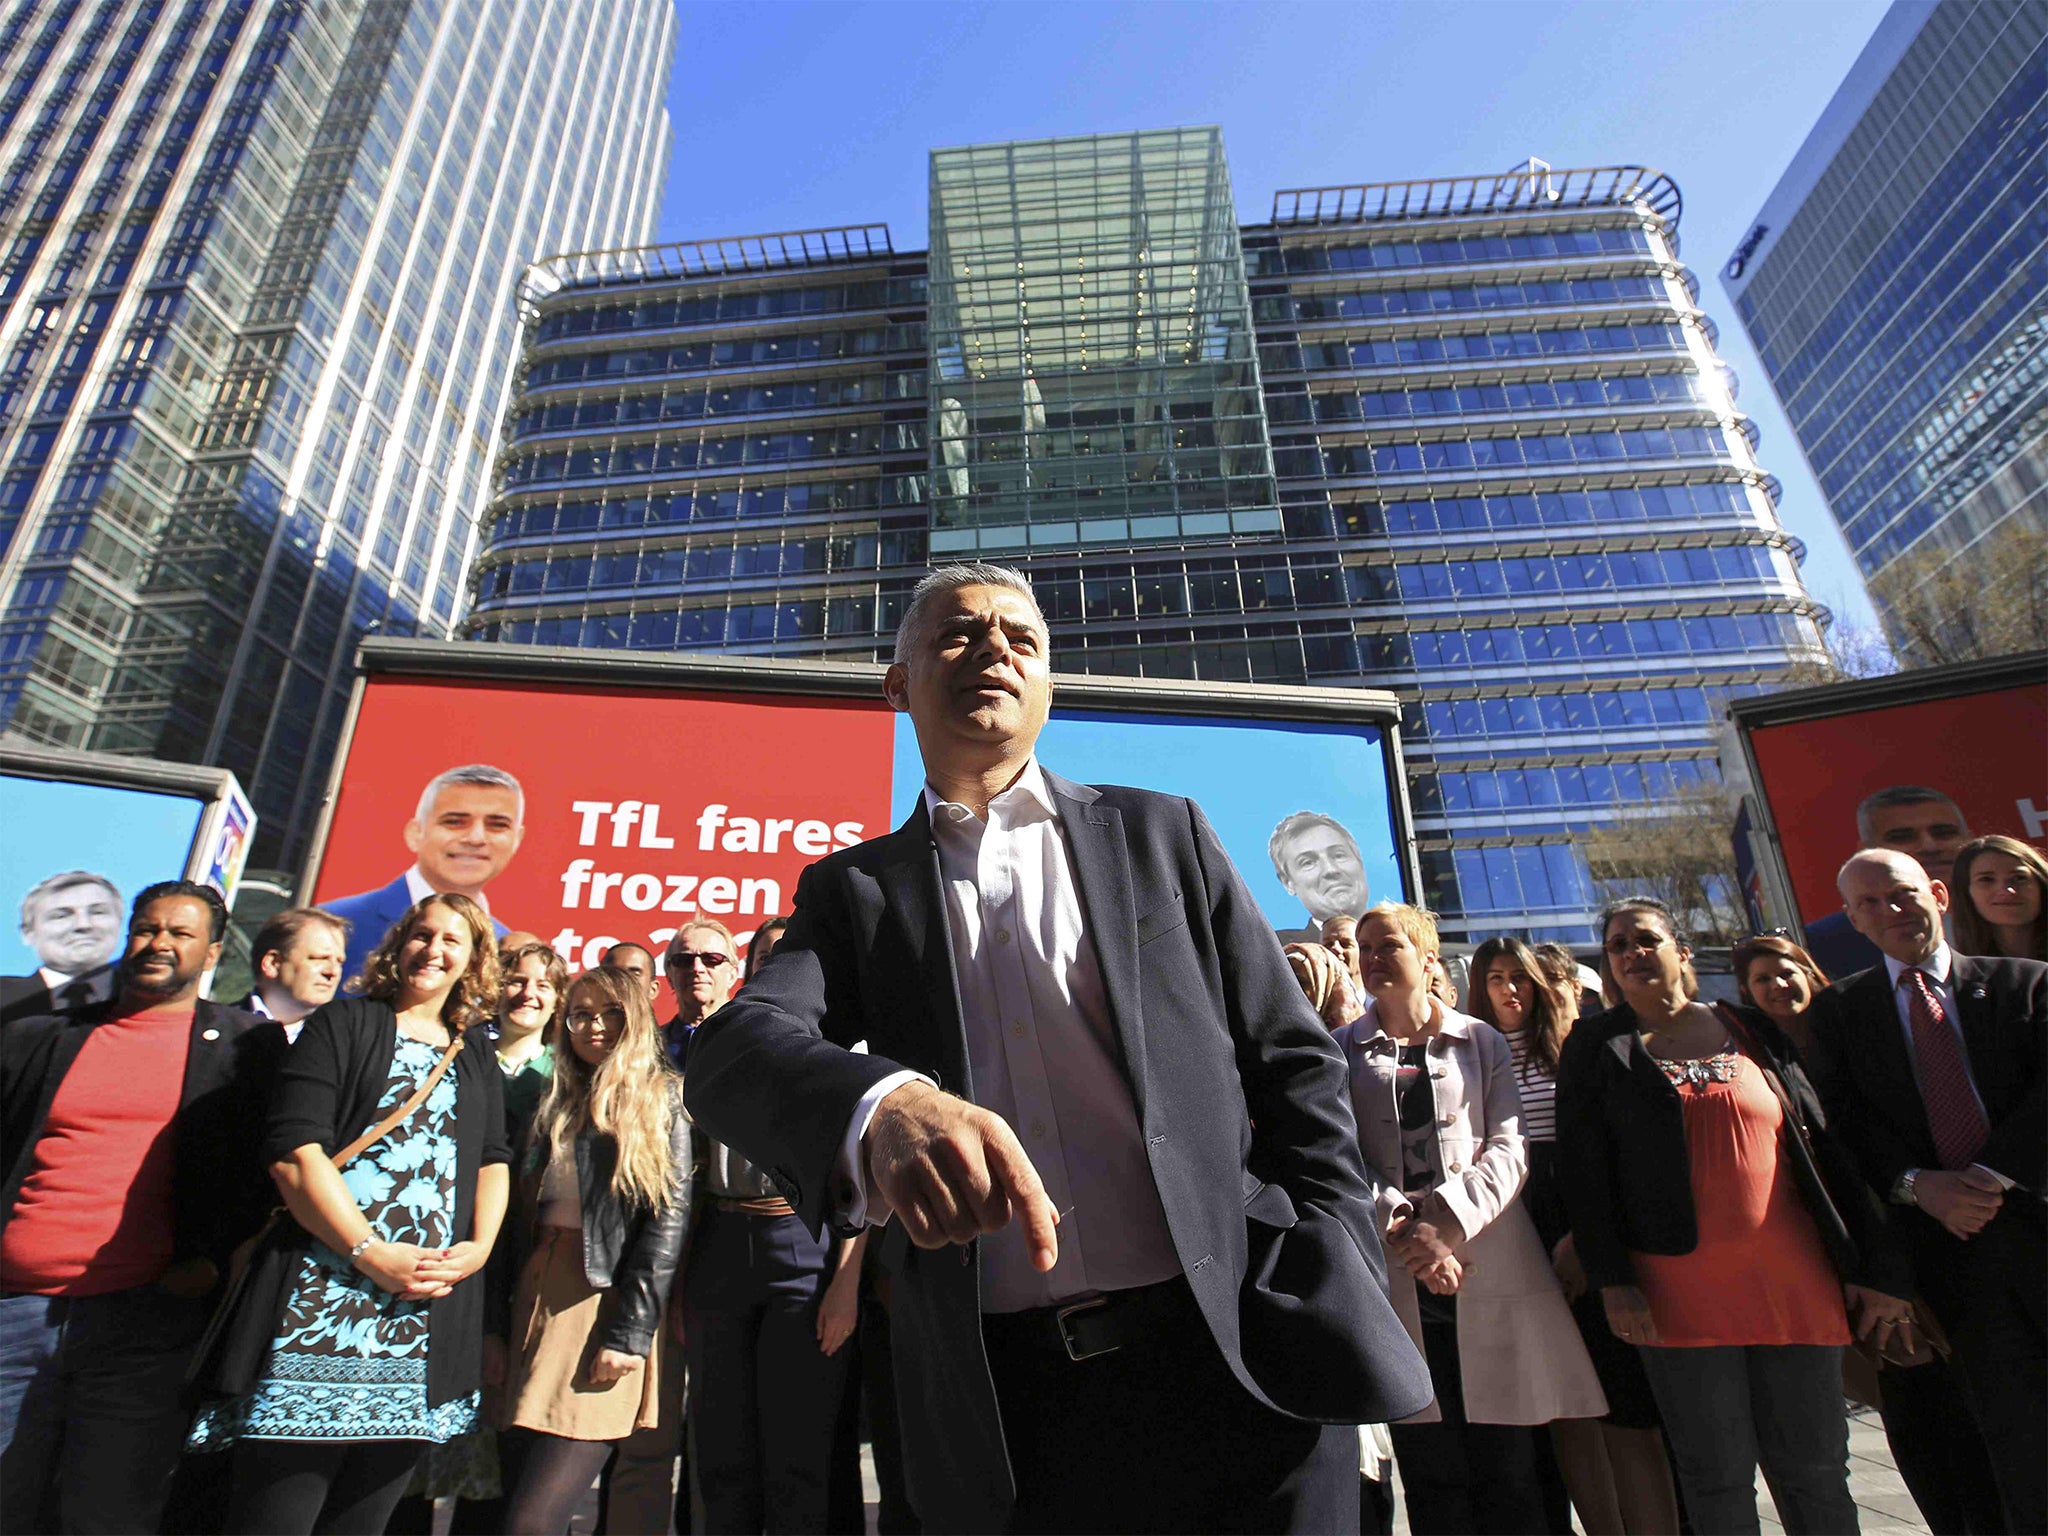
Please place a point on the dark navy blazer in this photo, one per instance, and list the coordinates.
(1240, 1092)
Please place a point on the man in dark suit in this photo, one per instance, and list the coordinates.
(469, 823)
(1147, 1311)
(1933, 1066)
(72, 921)
(130, 1166)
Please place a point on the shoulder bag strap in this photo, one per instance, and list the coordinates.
(404, 1112)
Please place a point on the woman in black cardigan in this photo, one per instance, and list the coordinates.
(376, 1348)
(1730, 1238)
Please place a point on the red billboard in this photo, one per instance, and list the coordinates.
(1987, 751)
(641, 807)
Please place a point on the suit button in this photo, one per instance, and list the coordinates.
(1038, 1130)
(1457, 1167)
(1017, 1031)
(1002, 935)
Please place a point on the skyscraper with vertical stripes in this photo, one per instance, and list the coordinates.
(257, 265)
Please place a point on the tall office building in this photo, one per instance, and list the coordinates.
(1895, 285)
(258, 335)
(1463, 439)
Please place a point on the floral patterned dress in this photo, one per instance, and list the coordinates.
(350, 1359)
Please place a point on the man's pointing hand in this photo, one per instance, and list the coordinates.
(951, 1171)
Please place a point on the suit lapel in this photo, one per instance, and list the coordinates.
(1102, 869)
(909, 881)
(1976, 1017)
(1880, 1049)
(203, 1054)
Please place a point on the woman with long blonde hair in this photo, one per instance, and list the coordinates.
(359, 1340)
(599, 1218)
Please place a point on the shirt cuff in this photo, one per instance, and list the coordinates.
(2003, 1181)
(849, 1173)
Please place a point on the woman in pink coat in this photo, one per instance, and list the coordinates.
(1439, 1120)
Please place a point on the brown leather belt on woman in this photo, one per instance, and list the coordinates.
(766, 1205)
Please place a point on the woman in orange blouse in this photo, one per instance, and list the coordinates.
(1730, 1237)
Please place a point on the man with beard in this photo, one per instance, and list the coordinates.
(73, 923)
(130, 1176)
(1318, 862)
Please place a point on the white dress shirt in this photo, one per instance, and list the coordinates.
(1938, 968)
(1042, 1051)
(417, 888)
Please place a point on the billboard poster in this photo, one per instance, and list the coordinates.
(1303, 808)
(636, 808)
(1816, 772)
(114, 840)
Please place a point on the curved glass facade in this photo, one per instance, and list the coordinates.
(1487, 459)
(1893, 284)
(257, 270)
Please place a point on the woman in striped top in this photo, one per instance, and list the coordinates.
(1614, 1468)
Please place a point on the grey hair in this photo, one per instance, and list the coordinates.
(951, 578)
(63, 882)
(470, 773)
(1899, 794)
(1299, 821)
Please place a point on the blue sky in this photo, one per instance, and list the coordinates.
(796, 116)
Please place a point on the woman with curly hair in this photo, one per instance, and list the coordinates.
(376, 1350)
(602, 1207)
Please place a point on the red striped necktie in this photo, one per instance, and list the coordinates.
(1953, 1113)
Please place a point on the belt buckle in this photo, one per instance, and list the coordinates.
(1076, 1352)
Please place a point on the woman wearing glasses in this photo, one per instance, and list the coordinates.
(762, 1341)
(1731, 1239)
(597, 1224)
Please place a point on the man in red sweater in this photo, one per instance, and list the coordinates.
(127, 1149)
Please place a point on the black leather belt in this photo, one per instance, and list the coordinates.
(1090, 1326)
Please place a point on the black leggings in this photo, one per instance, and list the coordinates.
(546, 1478)
(319, 1487)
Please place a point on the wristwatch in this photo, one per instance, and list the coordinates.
(1902, 1191)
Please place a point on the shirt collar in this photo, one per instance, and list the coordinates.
(418, 890)
(1451, 1025)
(257, 1006)
(1029, 792)
(1936, 965)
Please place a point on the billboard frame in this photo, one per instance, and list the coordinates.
(1796, 706)
(217, 788)
(698, 672)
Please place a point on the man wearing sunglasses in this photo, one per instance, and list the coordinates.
(701, 971)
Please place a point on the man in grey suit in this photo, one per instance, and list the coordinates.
(1133, 1263)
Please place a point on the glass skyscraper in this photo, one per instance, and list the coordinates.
(1464, 439)
(258, 276)
(1895, 285)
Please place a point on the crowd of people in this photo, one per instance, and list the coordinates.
(453, 1222)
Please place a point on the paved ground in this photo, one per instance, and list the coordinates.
(1887, 1509)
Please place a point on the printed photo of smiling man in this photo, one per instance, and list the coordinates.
(469, 824)
(1318, 862)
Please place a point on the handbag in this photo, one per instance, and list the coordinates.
(261, 1281)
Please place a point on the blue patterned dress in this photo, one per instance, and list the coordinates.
(350, 1359)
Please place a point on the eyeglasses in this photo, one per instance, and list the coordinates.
(583, 1020)
(710, 959)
